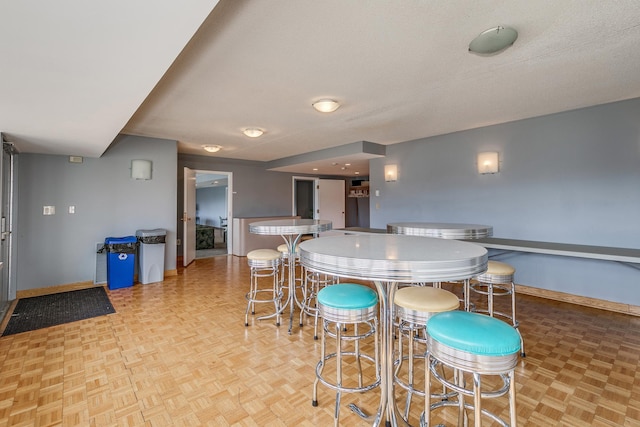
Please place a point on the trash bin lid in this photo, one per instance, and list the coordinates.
(117, 240)
(151, 233)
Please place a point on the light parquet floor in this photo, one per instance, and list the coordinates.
(177, 353)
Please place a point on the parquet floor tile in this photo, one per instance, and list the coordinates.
(177, 353)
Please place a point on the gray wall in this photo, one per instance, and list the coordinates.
(60, 249)
(211, 205)
(256, 192)
(572, 177)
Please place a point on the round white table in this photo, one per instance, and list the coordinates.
(441, 230)
(387, 260)
(291, 231)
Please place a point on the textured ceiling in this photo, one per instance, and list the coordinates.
(83, 73)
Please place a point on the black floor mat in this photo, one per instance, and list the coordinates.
(55, 309)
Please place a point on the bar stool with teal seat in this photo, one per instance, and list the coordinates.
(497, 281)
(413, 307)
(473, 345)
(341, 305)
(264, 263)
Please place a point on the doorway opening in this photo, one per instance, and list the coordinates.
(206, 218)
(304, 197)
(317, 198)
(7, 206)
(212, 214)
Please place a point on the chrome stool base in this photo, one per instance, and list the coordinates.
(311, 285)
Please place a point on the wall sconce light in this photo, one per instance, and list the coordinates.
(141, 169)
(488, 162)
(390, 173)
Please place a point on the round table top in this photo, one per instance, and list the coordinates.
(290, 226)
(394, 258)
(441, 230)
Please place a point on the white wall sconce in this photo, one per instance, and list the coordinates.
(141, 169)
(390, 173)
(488, 162)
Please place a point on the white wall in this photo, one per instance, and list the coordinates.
(60, 249)
(572, 177)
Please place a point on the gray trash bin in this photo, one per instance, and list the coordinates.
(151, 255)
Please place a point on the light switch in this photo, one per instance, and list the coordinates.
(72, 209)
(48, 210)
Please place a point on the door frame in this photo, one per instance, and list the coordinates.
(8, 177)
(294, 180)
(229, 203)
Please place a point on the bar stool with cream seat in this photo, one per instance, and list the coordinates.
(497, 281)
(264, 263)
(472, 346)
(413, 307)
(338, 306)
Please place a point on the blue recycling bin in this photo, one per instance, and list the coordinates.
(121, 258)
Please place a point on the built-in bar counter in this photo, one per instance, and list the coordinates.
(244, 241)
(626, 255)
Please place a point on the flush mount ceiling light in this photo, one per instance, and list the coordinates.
(212, 148)
(253, 132)
(326, 105)
(493, 40)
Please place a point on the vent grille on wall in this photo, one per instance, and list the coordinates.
(100, 277)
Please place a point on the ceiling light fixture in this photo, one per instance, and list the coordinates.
(253, 132)
(493, 40)
(212, 148)
(326, 105)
